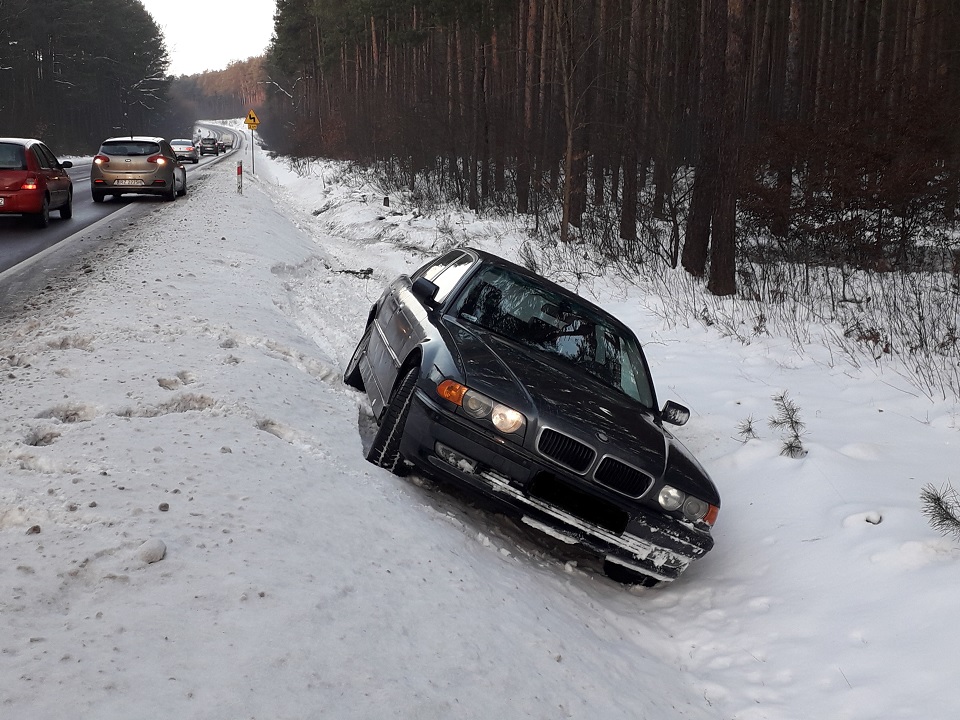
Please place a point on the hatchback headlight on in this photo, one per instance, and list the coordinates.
(478, 406)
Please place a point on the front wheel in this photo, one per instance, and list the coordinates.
(385, 450)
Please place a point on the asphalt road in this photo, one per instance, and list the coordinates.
(28, 255)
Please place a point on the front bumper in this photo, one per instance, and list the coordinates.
(651, 543)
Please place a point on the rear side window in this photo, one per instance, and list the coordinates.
(12, 157)
(130, 148)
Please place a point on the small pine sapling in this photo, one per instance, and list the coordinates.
(746, 429)
(787, 419)
(941, 507)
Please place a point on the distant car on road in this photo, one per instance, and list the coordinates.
(137, 164)
(492, 378)
(185, 150)
(33, 181)
(208, 146)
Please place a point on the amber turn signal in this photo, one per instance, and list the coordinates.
(452, 391)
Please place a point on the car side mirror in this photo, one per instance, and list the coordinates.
(66, 164)
(426, 291)
(674, 413)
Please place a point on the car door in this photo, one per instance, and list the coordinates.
(179, 169)
(446, 276)
(381, 352)
(55, 178)
(398, 327)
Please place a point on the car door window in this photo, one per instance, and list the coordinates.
(447, 272)
(42, 159)
(52, 161)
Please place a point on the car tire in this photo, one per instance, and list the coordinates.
(351, 376)
(625, 576)
(171, 194)
(42, 218)
(385, 450)
(66, 210)
(183, 189)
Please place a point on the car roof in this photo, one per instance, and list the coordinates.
(128, 138)
(20, 141)
(181, 141)
(498, 261)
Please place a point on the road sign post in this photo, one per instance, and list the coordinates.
(252, 122)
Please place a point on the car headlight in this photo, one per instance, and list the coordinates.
(694, 509)
(478, 406)
(506, 420)
(670, 498)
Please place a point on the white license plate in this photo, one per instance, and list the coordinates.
(2, 200)
(128, 182)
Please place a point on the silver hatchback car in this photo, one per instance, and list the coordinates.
(137, 164)
(186, 150)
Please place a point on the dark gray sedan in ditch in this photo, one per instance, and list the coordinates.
(487, 375)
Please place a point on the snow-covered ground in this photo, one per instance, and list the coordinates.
(180, 395)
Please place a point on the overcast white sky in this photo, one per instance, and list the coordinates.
(242, 29)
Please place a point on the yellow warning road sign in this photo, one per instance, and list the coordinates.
(252, 121)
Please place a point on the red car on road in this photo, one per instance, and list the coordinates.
(33, 181)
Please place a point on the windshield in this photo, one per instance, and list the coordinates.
(518, 308)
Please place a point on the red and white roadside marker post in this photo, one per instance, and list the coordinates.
(240, 176)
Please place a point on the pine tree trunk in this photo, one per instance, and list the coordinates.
(723, 255)
(703, 203)
(525, 151)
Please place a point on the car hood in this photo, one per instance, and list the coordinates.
(556, 396)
